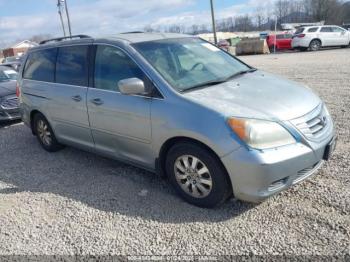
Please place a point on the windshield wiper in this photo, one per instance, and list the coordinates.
(251, 70)
(217, 82)
(205, 84)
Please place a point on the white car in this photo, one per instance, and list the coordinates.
(315, 37)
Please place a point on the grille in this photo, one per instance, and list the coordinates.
(302, 174)
(314, 124)
(10, 103)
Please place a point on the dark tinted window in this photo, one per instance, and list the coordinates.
(72, 65)
(312, 29)
(113, 65)
(326, 29)
(40, 65)
(299, 30)
(280, 36)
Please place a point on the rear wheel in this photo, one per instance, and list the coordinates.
(272, 49)
(45, 135)
(315, 45)
(197, 175)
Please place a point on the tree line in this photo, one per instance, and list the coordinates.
(264, 18)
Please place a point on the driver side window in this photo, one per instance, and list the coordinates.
(113, 65)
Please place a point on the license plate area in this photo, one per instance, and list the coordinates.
(330, 149)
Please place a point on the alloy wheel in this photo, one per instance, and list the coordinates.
(193, 176)
(44, 133)
(315, 45)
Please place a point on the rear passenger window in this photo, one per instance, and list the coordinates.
(280, 36)
(113, 65)
(312, 29)
(72, 65)
(326, 29)
(40, 65)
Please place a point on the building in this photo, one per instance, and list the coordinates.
(18, 49)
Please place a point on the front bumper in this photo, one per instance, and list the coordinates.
(257, 175)
(10, 114)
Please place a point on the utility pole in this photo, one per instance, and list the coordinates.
(61, 18)
(275, 43)
(213, 21)
(68, 18)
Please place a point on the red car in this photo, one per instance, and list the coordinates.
(282, 41)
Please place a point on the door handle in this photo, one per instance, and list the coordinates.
(77, 98)
(97, 101)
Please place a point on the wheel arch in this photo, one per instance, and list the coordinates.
(160, 161)
(316, 38)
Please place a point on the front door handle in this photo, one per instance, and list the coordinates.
(77, 98)
(97, 101)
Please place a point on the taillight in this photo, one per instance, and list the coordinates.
(301, 35)
(18, 92)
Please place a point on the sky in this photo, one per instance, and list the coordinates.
(21, 19)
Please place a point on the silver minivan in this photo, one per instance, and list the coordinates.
(180, 107)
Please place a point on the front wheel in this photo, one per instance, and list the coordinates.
(197, 175)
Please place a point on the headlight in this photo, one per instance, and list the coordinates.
(260, 134)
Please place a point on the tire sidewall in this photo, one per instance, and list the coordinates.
(221, 185)
(55, 146)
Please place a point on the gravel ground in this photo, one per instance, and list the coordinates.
(74, 202)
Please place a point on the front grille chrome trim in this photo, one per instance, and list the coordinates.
(314, 124)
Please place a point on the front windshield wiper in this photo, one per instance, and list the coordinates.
(217, 82)
(251, 70)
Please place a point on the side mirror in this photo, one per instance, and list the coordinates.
(131, 86)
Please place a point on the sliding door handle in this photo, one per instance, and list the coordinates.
(77, 98)
(97, 101)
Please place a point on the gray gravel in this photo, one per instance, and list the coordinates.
(74, 202)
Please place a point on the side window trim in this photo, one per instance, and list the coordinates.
(92, 78)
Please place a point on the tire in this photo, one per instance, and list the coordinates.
(207, 185)
(315, 45)
(45, 134)
(272, 49)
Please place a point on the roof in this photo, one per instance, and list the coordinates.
(134, 37)
(138, 37)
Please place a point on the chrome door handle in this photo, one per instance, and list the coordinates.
(97, 101)
(77, 98)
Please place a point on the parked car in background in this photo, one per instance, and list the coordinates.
(13, 62)
(224, 44)
(9, 109)
(280, 41)
(180, 106)
(316, 37)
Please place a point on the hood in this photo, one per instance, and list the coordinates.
(7, 88)
(257, 95)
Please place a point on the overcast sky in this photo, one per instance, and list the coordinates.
(20, 19)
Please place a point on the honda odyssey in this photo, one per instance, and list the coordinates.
(178, 106)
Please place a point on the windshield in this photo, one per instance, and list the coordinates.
(6, 75)
(190, 62)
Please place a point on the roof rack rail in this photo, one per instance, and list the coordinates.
(59, 39)
(132, 32)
